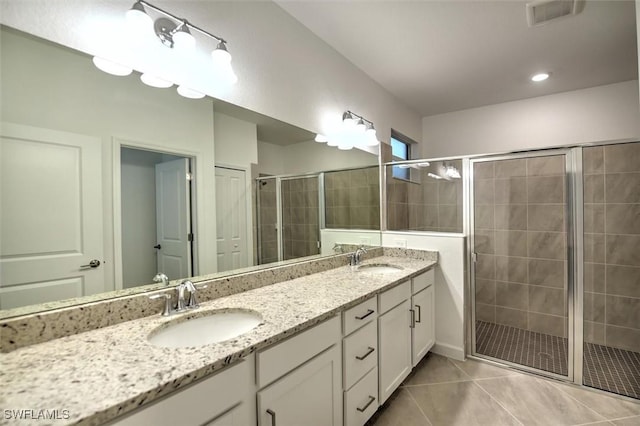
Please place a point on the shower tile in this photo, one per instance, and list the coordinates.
(486, 291)
(483, 192)
(483, 170)
(511, 217)
(594, 248)
(545, 217)
(447, 192)
(485, 312)
(430, 192)
(358, 177)
(594, 332)
(512, 317)
(512, 295)
(594, 307)
(511, 190)
(509, 168)
(547, 189)
(623, 338)
(594, 218)
(594, 189)
(484, 217)
(511, 243)
(623, 281)
(594, 277)
(549, 273)
(449, 217)
(623, 187)
(593, 159)
(484, 242)
(545, 166)
(485, 266)
(547, 300)
(512, 269)
(546, 245)
(624, 157)
(547, 324)
(623, 250)
(623, 218)
(623, 311)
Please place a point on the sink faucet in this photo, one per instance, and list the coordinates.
(181, 303)
(356, 258)
(161, 278)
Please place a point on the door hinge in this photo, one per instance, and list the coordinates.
(474, 257)
(319, 244)
(190, 236)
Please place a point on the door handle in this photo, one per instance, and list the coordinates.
(369, 312)
(273, 416)
(371, 399)
(92, 264)
(413, 318)
(419, 319)
(157, 247)
(369, 352)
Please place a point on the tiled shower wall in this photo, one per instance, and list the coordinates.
(612, 245)
(352, 199)
(425, 203)
(267, 221)
(519, 221)
(300, 218)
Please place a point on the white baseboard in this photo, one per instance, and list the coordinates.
(448, 351)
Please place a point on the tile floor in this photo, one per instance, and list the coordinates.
(442, 391)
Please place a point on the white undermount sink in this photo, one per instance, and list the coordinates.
(378, 268)
(216, 327)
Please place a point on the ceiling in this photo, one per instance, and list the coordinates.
(443, 56)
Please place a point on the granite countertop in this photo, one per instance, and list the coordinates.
(100, 374)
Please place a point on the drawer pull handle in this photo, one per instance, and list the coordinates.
(419, 313)
(369, 352)
(371, 399)
(273, 416)
(369, 312)
(413, 318)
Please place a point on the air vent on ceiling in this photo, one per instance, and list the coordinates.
(539, 12)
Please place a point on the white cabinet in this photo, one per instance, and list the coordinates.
(394, 348)
(423, 331)
(224, 399)
(361, 401)
(311, 395)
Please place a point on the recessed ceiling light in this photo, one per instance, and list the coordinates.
(540, 77)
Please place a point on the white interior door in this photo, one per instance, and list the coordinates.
(231, 219)
(173, 215)
(50, 215)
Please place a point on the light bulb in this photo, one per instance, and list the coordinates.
(360, 126)
(321, 138)
(138, 20)
(370, 137)
(153, 81)
(111, 67)
(221, 55)
(183, 39)
(189, 93)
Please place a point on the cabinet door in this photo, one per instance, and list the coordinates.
(310, 395)
(423, 333)
(394, 349)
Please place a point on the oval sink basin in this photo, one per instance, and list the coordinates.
(216, 327)
(378, 268)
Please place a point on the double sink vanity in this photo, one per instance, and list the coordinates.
(321, 347)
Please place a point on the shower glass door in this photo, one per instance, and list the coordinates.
(521, 245)
(300, 216)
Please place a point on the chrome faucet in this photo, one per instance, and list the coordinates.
(356, 258)
(161, 278)
(182, 304)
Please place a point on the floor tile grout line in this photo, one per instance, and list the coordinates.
(498, 402)
(459, 368)
(558, 387)
(626, 417)
(419, 408)
(436, 383)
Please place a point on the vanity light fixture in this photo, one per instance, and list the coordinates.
(540, 77)
(189, 93)
(153, 81)
(354, 131)
(111, 67)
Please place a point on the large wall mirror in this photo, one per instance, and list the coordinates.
(106, 181)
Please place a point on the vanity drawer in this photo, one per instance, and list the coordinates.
(393, 297)
(361, 401)
(423, 281)
(278, 360)
(359, 315)
(360, 353)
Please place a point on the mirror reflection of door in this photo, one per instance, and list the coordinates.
(156, 201)
(51, 217)
(231, 219)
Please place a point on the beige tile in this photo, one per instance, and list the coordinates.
(594, 218)
(546, 245)
(623, 218)
(593, 159)
(485, 313)
(512, 269)
(547, 300)
(545, 217)
(623, 311)
(545, 166)
(622, 157)
(510, 295)
(447, 192)
(483, 170)
(485, 291)
(594, 306)
(434, 369)
(482, 370)
(511, 190)
(623, 338)
(549, 273)
(511, 216)
(449, 216)
(547, 324)
(483, 242)
(623, 187)
(511, 243)
(623, 280)
(594, 248)
(509, 168)
(538, 402)
(460, 404)
(593, 189)
(483, 217)
(623, 250)
(483, 192)
(513, 317)
(607, 406)
(629, 421)
(594, 277)
(399, 410)
(547, 189)
(485, 266)
(594, 333)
